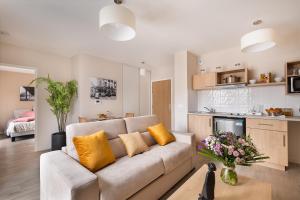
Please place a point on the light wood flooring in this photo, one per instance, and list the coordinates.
(19, 170)
(19, 174)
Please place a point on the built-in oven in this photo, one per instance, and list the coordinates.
(294, 84)
(235, 125)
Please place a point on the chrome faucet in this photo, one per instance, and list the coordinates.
(212, 110)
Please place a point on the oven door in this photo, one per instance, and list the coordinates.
(230, 124)
(295, 84)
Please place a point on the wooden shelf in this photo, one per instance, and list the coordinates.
(266, 84)
(293, 75)
(225, 84)
(240, 73)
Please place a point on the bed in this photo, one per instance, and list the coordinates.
(22, 124)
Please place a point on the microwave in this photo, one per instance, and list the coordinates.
(294, 84)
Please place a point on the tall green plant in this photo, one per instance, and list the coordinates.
(60, 98)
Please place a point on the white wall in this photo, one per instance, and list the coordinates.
(129, 84)
(180, 91)
(57, 67)
(131, 90)
(88, 67)
(185, 99)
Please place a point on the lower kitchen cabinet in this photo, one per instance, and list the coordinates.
(270, 142)
(200, 125)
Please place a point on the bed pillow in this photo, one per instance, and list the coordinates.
(19, 112)
(24, 119)
(29, 114)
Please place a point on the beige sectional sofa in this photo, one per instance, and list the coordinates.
(144, 176)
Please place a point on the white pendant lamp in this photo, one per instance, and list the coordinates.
(117, 22)
(259, 40)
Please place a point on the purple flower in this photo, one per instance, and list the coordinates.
(218, 149)
(236, 154)
(199, 147)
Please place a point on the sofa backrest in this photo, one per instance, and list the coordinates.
(140, 124)
(112, 129)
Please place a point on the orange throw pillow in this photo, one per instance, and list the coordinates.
(160, 134)
(94, 151)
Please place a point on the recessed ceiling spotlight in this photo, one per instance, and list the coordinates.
(257, 22)
(4, 33)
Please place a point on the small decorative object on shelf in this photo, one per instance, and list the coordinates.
(208, 190)
(231, 151)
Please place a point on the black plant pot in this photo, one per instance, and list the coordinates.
(58, 140)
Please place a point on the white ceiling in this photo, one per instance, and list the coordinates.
(69, 27)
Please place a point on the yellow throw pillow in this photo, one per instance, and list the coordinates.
(94, 151)
(134, 143)
(160, 134)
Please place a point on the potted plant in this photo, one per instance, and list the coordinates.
(231, 151)
(60, 99)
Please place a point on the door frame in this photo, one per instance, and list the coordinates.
(172, 98)
(35, 104)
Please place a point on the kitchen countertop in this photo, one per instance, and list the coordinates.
(221, 114)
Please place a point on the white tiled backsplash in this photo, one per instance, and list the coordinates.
(242, 100)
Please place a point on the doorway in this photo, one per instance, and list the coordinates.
(17, 107)
(161, 101)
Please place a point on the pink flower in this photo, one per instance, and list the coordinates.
(237, 160)
(241, 140)
(236, 154)
(242, 152)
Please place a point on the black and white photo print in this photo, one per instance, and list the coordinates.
(103, 89)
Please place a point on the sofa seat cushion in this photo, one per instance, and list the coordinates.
(172, 154)
(128, 175)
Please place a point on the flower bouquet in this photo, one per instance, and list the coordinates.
(231, 151)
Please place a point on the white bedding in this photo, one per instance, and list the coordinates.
(19, 127)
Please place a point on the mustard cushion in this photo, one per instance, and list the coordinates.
(134, 143)
(160, 134)
(94, 151)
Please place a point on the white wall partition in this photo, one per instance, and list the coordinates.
(131, 102)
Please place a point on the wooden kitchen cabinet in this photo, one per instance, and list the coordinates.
(201, 126)
(270, 139)
(204, 80)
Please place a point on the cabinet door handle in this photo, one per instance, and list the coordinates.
(265, 124)
(283, 140)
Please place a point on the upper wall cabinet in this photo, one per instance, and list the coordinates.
(204, 80)
(210, 80)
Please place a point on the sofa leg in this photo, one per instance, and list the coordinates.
(13, 139)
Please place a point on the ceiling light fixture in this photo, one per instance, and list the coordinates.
(117, 22)
(259, 40)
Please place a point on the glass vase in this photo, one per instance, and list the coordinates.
(229, 175)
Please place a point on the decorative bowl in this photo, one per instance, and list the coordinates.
(278, 79)
(253, 81)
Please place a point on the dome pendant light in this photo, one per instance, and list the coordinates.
(259, 40)
(117, 22)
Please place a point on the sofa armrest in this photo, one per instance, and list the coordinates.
(62, 177)
(188, 138)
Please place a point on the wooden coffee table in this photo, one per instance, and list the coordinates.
(246, 189)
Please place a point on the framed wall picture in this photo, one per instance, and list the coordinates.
(103, 89)
(26, 93)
